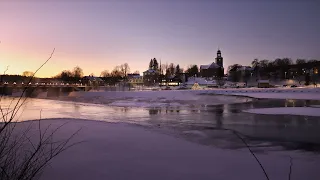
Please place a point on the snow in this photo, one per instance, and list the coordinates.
(310, 96)
(273, 93)
(212, 65)
(263, 81)
(303, 111)
(200, 81)
(135, 103)
(163, 98)
(122, 151)
(153, 98)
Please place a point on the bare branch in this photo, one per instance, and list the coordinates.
(17, 106)
(22, 157)
(244, 142)
(290, 169)
(239, 135)
(5, 71)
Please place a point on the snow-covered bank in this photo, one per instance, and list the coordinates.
(172, 98)
(121, 151)
(301, 96)
(178, 98)
(303, 111)
(273, 93)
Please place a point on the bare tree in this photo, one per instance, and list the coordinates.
(125, 69)
(105, 73)
(22, 158)
(163, 68)
(65, 75)
(77, 73)
(255, 63)
(116, 72)
(301, 61)
(27, 73)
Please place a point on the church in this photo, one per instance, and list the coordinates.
(214, 69)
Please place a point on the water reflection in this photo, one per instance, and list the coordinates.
(154, 111)
(219, 116)
(272, 128)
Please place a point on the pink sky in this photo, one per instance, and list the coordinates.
(97, 35)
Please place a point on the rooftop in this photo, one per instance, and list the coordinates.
(210, 66)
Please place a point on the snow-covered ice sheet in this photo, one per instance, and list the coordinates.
(273, 93)
(172, 98)
(304, 96)
(144, 104)
(176, 98)
(122, 151)
(303, 111)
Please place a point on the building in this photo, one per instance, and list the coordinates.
(214, 69)
(151, 77)
(92, 81)
(263, 84)
(135, 79)
(201, 82)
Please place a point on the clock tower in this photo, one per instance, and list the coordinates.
(219, 59)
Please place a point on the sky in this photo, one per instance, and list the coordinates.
(98, 35)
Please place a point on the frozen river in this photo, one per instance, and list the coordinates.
(198, 123)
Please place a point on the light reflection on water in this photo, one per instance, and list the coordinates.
(275, 128)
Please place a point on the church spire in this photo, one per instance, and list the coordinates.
(219, 58)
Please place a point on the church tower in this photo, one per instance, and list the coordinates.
(219, 59)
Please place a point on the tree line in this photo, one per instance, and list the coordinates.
(120, 73)
(280, 68)
(168, 70)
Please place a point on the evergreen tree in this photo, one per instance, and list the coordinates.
(192, 70)
(151, 64)
(178, 70)
(155, 64)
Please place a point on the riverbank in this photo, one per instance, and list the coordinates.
(153, 99)
(123, 151)
(183, 97)
(273, 93)
(167, 98)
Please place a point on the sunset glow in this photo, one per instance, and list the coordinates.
(99, 35)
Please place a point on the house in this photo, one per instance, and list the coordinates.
(135, 79)
(214, 69)
(92, 81)
(202, 82)
(151, 77)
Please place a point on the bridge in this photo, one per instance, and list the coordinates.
(53, 90)
(34, 90)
